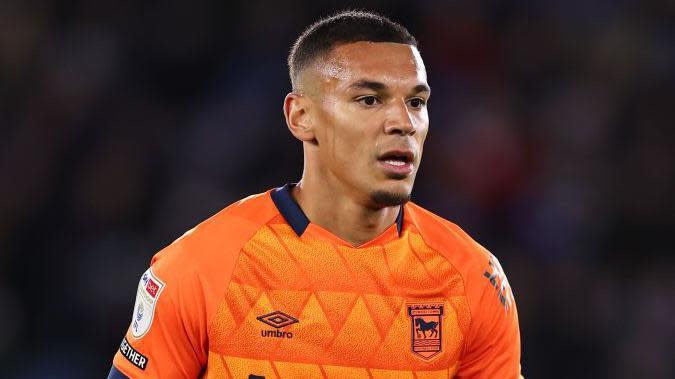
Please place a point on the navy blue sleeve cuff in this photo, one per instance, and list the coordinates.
(116, 374)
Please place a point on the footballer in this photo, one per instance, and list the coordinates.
(338, 275)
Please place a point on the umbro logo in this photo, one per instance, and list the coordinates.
(277, 319)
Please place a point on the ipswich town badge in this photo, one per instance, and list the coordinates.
(426, 325)
(149, 289)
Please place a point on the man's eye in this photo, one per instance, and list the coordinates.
(416, 102)
(368, 100)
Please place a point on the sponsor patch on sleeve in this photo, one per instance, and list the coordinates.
(149, 289)
(495, 274)
(132, 355)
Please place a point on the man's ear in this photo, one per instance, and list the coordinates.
(296, 107)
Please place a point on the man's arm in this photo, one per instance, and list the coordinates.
(493, 343)
(167, 337)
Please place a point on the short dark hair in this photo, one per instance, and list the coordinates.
(341, 28)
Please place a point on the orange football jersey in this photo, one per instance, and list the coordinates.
(258, 291)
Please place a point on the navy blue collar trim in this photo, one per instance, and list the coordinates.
(296, 218)
(290, 209)
(399, 220)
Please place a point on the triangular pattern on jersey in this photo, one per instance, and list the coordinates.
(350, 304)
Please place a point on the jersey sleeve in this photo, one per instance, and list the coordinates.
(493, 342)
(168, 335)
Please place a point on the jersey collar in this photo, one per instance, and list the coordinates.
(296, 218)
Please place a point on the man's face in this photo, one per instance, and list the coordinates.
(370, 118)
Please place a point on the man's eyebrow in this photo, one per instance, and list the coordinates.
(379, 86)
(421, 88)
(367, 84)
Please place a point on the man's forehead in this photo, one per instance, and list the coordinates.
(382, 61)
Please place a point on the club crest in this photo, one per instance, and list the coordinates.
(426, 326)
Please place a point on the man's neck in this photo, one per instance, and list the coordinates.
(341, 214)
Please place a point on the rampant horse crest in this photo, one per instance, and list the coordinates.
(426, 326)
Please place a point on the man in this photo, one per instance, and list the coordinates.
(337, 276)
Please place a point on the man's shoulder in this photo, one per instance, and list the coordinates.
(216, 241)
(479, 269)
(448, 239)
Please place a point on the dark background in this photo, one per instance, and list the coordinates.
(124, 123)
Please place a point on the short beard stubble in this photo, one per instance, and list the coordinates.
(382, 199)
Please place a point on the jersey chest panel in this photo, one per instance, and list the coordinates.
(304, 307)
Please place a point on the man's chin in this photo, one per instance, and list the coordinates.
(382, 199)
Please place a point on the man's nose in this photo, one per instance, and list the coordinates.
(399, 120)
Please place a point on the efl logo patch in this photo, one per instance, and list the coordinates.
(426, 326)
(149, 289)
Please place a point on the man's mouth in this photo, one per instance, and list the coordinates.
(397, 157)
(397, 163)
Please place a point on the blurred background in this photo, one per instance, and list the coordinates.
(552, 142)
